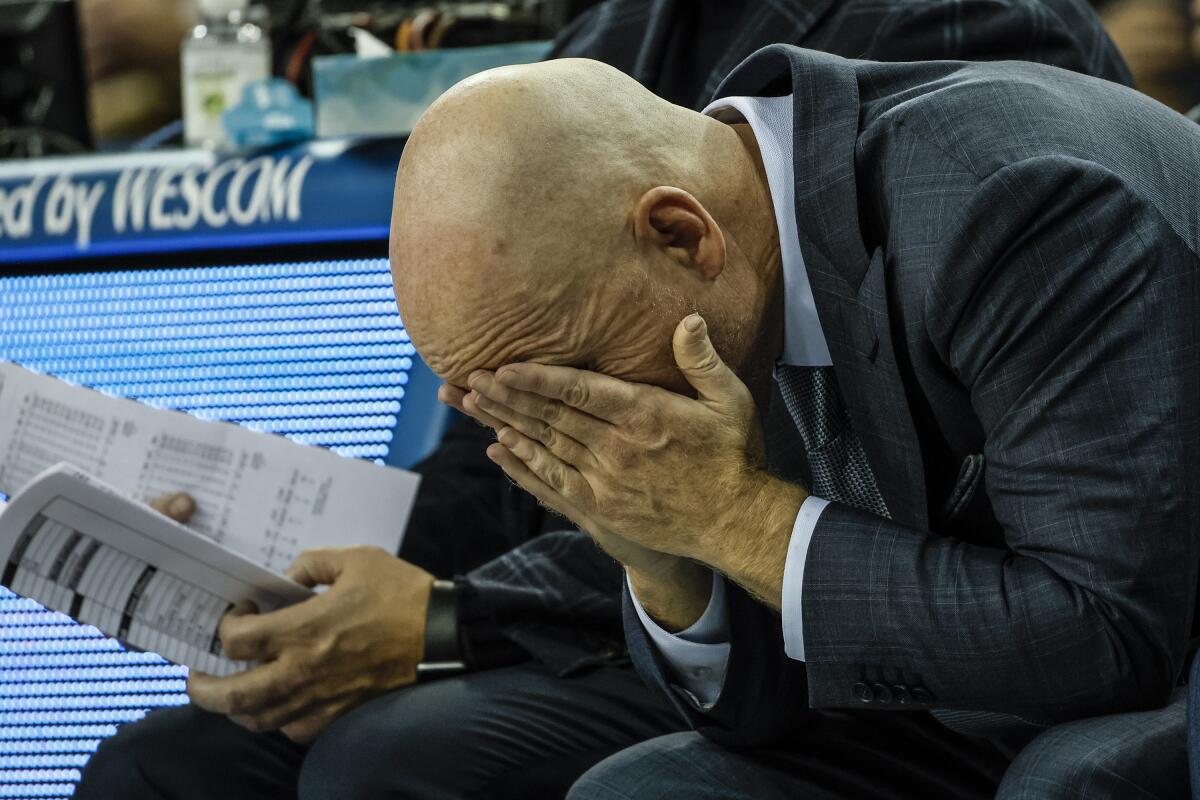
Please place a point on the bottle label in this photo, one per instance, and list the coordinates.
(213, 78)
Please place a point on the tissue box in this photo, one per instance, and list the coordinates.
(385, 96)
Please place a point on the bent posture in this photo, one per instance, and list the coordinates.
(976, 287)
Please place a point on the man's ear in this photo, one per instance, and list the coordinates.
(673, 221)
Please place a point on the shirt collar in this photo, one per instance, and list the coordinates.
(771, 119)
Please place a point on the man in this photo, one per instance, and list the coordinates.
(977, 288)
(529, 728)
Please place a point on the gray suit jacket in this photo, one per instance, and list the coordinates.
(467, 512)
(1004, 261)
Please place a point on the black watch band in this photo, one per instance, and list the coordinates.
(442, 651)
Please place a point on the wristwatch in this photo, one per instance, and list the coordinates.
(443, 651)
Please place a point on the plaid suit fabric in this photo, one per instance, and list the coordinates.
(1004, 260)
(681, 50)
(1139, 755)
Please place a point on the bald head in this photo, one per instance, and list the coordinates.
(515, 227)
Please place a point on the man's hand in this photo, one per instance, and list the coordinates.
(360, 639)
(671, 474)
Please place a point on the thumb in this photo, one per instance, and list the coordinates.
(700, 364)
(317, 567)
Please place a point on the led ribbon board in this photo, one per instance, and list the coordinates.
(314, 351)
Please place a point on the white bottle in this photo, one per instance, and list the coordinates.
(223, 54)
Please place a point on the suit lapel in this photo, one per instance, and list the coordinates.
(849, 287)
(858, 331)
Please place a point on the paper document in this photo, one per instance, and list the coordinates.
(261, 495)
(80, 547)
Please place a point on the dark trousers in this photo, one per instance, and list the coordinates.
(521, 733)
(845, 755)
(518, 732)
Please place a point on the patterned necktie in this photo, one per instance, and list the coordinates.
(840, 471)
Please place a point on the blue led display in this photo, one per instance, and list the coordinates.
(313, 351)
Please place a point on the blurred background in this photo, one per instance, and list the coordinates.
(1160, 40)
(105, 73)
(217, 244)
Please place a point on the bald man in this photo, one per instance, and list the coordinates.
(977, 289)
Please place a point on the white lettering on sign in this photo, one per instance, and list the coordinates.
(235, 191)
(72, 204)
(16, 208)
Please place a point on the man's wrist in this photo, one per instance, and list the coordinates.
(750, 542)
(676, 597)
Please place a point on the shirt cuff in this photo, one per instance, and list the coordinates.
(698, 656)
(793, 575)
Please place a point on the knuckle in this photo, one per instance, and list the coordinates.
(290, 683)
(552, 412)
(231, 641)
(241, 647)
(324, 648)
(646, 424)
(626, 457)
(556, 477)
(234, 650)
(577, 394)
(372, 551)
(708, 363)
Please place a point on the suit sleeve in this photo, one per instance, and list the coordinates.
(1065, 306)
(553, 599)
(763, 695)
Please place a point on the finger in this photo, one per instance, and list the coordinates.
(560, 476)
(601, 396)
(457, 399)
(247, 693)
(179, 506)
(451, 395)
(274, 717)
(520, 473)
(564, 437)
(260, 637)
(242, 608)
(697, 359)
(320, 566)
(243, 649)
(305, 729)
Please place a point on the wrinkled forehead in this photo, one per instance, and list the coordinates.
(499, 341)
(475, 295)
(459, 328)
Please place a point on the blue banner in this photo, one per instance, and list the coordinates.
(322, 191)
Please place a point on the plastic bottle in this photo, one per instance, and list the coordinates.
(223, 53)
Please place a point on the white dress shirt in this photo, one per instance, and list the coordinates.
(699, 656)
